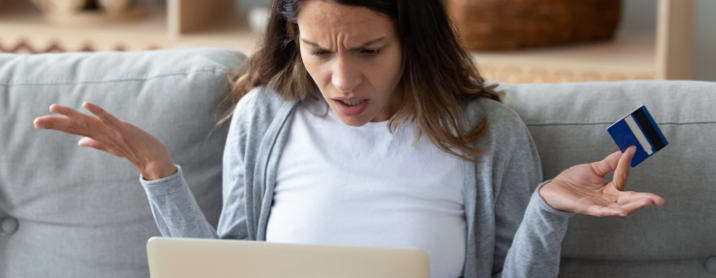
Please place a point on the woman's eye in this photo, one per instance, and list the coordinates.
(319, 53)
(371, 51)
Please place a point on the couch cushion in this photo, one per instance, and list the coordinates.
(568, 123)
(81, 212)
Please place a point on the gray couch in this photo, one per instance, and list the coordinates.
(67, 211)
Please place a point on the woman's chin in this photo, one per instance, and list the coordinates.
(355, 121)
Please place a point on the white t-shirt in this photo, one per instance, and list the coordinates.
(365, 186)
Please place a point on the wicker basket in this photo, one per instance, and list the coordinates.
(514, 24)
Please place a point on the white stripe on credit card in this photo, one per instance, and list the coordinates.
(639, 135)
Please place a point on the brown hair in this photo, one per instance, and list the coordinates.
(439, 77)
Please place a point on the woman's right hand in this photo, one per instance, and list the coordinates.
(114, 136)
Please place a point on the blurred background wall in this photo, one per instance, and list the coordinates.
(631, 55)
(640, 15)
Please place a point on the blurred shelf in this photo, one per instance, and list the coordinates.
(22, 22)
(23, 29)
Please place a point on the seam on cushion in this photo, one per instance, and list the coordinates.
(696, 122)
(699, 258)
(109, 223)
(116, 79)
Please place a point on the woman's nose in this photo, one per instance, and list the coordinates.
(345, 76)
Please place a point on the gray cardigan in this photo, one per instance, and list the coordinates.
(500, 190)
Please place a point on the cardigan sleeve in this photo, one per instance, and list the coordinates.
(528, 232)
(174, 208)
(536, 246)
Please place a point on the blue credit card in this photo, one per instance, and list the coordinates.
(638, 129)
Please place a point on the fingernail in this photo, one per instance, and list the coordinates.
(39, 126)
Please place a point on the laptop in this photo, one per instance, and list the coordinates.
(219, 258)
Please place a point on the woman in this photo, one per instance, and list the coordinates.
(366, 123)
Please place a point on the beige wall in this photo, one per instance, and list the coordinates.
(640, 15)
(705, 63)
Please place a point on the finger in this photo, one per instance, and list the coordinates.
(602, 168)
(51, 122)
(622, 172)
(104, 116)
(628, 197)
(60, 123)
(603, 211)
(636, 205)
(78, 118)
(89, 142)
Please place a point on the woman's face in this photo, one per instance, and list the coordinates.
(354, 56)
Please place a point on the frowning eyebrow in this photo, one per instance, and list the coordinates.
(363, 46)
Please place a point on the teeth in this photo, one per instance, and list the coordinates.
(352, 102)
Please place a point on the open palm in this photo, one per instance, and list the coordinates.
(107, 133)
(583, 189)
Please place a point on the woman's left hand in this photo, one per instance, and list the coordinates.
(583, 189)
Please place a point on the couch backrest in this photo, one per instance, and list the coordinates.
(68, 211)
(568, 123)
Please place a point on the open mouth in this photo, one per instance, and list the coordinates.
(351, 103)
(351, 107)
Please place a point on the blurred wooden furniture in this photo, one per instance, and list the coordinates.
(490, 25)
(181, 24)
(668, 54)
(88, 12)
(194, 23)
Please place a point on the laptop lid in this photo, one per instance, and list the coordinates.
(186, 257)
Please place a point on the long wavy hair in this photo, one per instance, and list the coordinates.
(439, 77)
